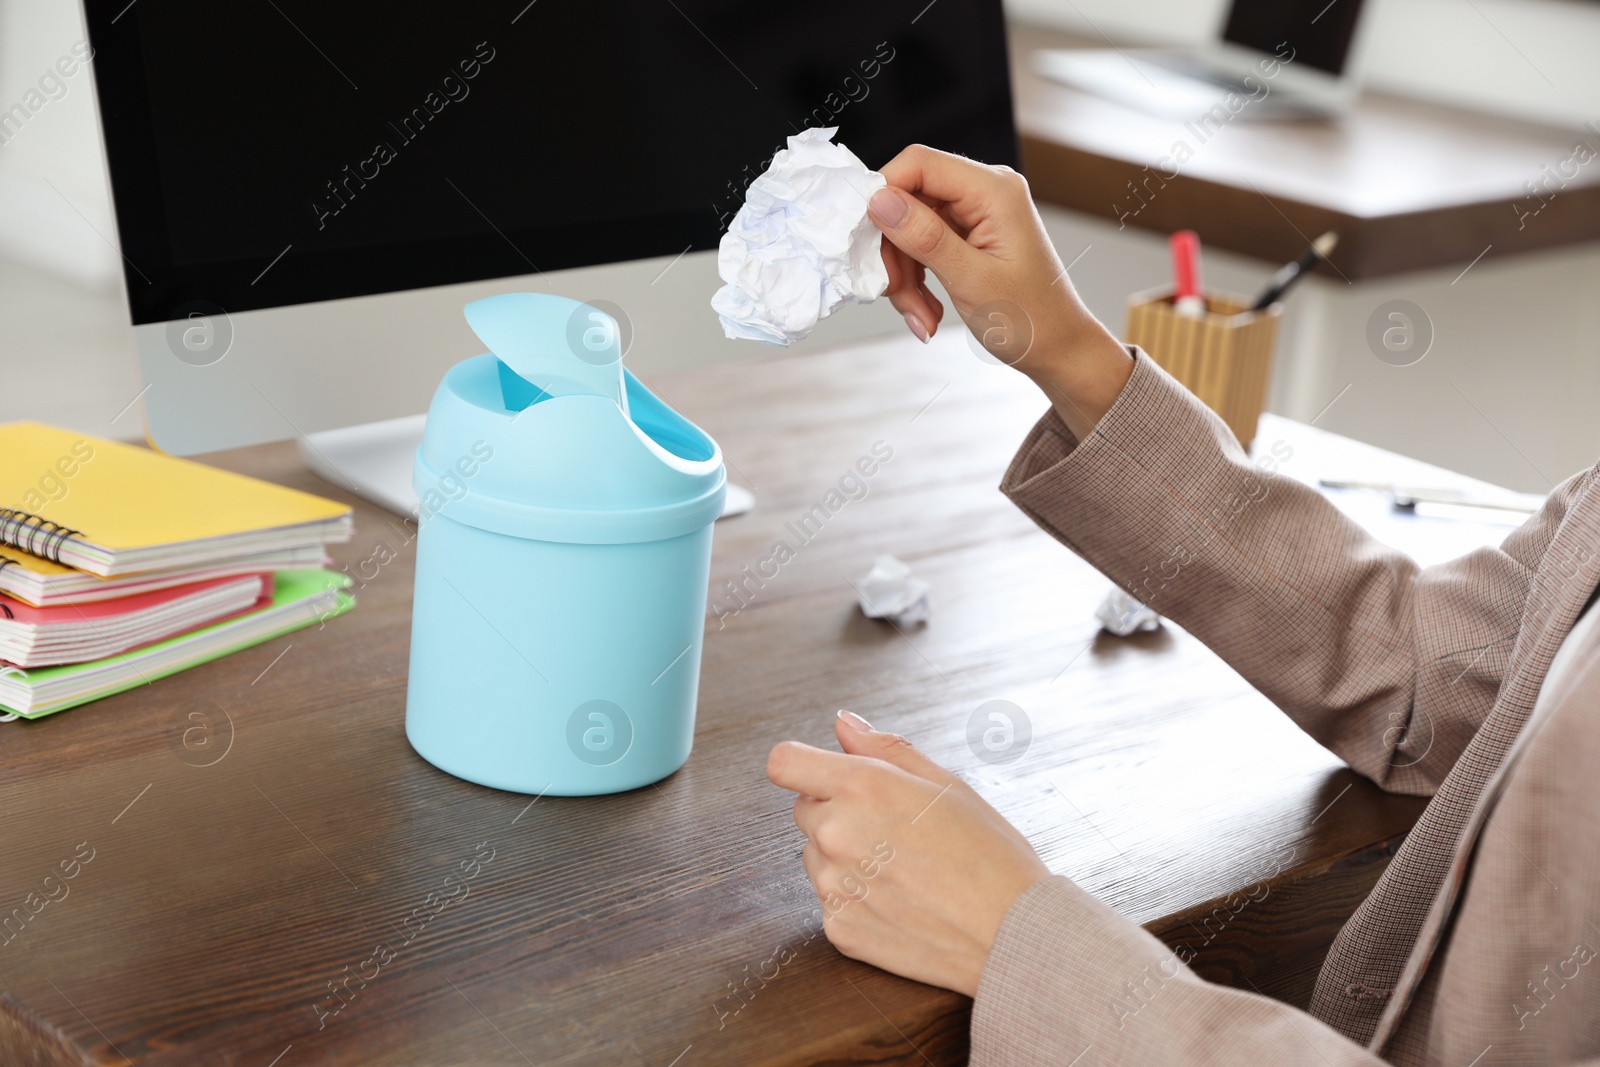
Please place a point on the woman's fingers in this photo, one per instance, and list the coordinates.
(913, 870)
(894, 261)
(919, 232)
(924, 239)
(808, 815)
(942, 209)
(925, 225)
(908, 294)
(814, 772)
(815, 866)
(956, 180)
(893, 749)
(932, 302)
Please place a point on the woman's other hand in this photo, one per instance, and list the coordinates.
(915, 870)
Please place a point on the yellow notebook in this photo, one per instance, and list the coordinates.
(114, 509)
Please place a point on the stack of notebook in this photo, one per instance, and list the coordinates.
(119, 565)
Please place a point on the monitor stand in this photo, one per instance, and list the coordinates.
(373, 460)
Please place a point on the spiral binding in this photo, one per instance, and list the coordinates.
(11, 716)
(33, 534)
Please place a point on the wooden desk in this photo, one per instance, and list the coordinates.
(223, 899)
(1408, 185)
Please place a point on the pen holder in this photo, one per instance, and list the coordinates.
(1223, 357)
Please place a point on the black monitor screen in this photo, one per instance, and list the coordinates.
(1319, 31)
(278, 152)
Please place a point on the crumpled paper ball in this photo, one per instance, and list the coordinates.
(802, 245)
(1124, 615)
(890, 592)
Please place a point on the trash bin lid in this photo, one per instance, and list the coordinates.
(548, 436)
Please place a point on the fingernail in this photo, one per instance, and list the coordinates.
(889, 208)
(917, 329)
(855, 722)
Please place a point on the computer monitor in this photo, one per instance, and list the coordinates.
(306, 194)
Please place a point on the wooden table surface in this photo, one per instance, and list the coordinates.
(1409, 185)
(234, 879)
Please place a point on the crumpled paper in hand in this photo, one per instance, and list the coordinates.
(802, 245)
(1123, 615)
(890, 592)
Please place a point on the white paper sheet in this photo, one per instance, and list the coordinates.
(802, 245)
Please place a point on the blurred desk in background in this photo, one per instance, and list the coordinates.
(231, 884)
(1409, 185)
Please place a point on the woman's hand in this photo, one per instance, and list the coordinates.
(976, 228)
(915, 870)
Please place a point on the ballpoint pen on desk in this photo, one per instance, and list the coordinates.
(1290, 273)
(1447, 502)
(1186, 298)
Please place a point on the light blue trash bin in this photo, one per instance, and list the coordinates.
(562, 561)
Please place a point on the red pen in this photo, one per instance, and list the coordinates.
(1186, 274)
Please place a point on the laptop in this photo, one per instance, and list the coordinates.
(1271, 59)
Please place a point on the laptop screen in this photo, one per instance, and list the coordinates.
(1318, 31)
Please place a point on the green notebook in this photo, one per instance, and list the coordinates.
(299, 599)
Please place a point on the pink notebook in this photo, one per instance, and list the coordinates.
(76, 633)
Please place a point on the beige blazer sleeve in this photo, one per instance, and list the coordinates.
(1071, 982)
(1391, 666)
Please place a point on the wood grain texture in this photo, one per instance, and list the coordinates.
(222, 900)
(1408, 185)
(28, 1041)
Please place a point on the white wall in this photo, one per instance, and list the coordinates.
(1534, 59)
(57, 214)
